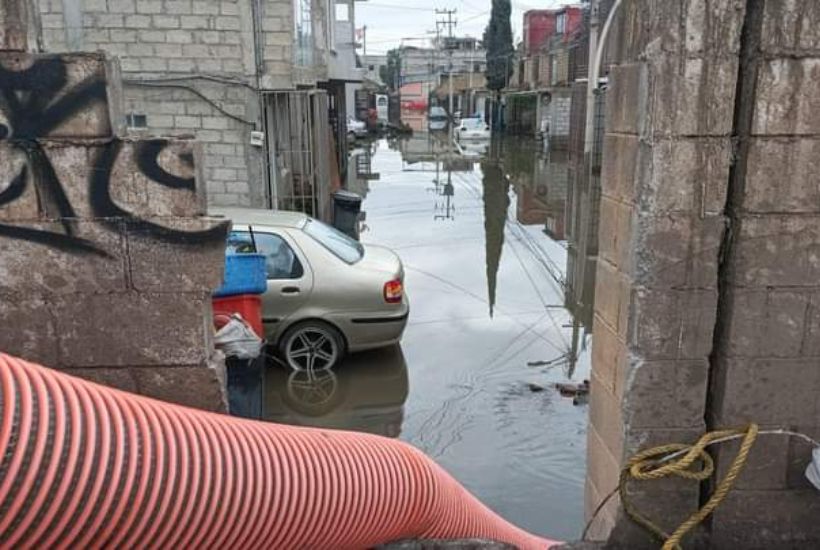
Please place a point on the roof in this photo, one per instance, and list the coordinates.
(259, 216)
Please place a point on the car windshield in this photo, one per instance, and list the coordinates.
(438, 113)
(472, 123)
(342, 246)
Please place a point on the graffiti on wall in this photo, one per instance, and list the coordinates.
(37, 100)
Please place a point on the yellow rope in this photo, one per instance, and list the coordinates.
(695, 464)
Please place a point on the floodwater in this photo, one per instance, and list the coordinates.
(500, 312)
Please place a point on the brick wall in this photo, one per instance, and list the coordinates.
(157, 39)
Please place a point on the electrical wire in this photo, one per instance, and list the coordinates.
(194, 91)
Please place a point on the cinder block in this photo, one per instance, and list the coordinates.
(782, 176)
(620, 157)
(28, 328)
(666, 394)
(88, 88)
(767, 323)
(627, 98)
(767, 391)
(198, 386)
(615, 234)
(766, 466)
(603, 468)
(791, 27)
(787, 102)
(612, 296)
(142, 178)
(690, 98)
(672, 324)
(44, 258)
(187, 263)
(109, 330)
(207, 7)
(609, 357)
(677, 250)
(606, 416)
(777, 250)
(767, 519)
(227, 23)
(684, 175)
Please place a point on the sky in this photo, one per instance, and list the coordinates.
(388, 21)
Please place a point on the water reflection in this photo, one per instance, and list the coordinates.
(496, 204)
(365, 393)
(498, 242)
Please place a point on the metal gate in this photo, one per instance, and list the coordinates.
(299, 150)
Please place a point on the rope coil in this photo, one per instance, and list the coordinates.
(694, 464)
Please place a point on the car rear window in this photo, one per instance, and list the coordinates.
(342, 246)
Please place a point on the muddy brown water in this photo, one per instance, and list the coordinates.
(500, 297)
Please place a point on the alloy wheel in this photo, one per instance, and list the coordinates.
(312, 348)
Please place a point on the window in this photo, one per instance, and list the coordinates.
(342, 246)
(134, 120)
(302, 33)
(342, 12)
(561, 23)
(280, 260)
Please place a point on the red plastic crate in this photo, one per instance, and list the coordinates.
(249, 306)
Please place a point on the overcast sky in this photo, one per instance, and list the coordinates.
(388, 21)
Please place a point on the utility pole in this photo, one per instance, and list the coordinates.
(450, 22)
(364, 42)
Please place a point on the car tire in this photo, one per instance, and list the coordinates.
(311, 345)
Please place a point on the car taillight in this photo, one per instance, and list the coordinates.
(393, 291)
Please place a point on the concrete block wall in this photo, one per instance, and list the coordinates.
(666, 161)
(106, 263)
(711, 124)
(559, 112)
(186, 40)
(767, 357)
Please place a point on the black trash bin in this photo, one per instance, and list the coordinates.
(346, 209)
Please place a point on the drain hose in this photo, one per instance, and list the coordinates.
(89, 466)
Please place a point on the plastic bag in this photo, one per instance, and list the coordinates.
(237, 339)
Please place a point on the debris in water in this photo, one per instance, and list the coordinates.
(578, 392)
(535, 387)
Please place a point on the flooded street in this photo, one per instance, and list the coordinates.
(497, 319)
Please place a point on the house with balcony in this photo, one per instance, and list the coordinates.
(551, 56)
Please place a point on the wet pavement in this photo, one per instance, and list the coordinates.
(494, 283)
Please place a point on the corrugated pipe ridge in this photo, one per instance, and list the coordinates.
(88, 466)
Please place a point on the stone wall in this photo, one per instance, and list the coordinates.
(106, 263)
(698, 327)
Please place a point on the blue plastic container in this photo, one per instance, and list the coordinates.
(244, 274)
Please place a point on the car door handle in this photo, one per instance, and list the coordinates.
(290, 290)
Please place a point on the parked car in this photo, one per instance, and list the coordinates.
(437, 118)
(327, 294)
(472, 129)
(356, 128)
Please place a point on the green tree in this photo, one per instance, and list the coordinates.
(391, 73)
(498, 42)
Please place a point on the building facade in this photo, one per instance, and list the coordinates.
(217, 70)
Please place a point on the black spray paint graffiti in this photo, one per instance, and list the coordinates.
(30, 104)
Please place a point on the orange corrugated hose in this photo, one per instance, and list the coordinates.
(88, 466)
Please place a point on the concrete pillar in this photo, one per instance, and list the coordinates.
(667, 155)
(712, 123)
